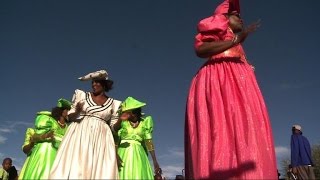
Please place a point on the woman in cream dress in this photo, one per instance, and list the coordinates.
(87, 150)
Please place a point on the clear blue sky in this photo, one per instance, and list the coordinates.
(147, 48)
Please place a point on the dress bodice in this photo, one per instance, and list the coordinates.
(141, 132)
(235, 53)
(106, 112)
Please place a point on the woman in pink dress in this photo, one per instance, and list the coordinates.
(228, 134)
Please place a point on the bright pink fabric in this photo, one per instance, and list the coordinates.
(228, 133)
(215, 27)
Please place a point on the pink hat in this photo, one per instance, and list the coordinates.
(228, 6)
(218, 22)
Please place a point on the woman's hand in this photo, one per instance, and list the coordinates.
(294, 170)
(125, 116)
(79, 107)
(249, 29)
(73, 117)
(48, 136)
(43, 137)
(157, 171)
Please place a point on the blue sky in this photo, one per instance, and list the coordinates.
(147, 48)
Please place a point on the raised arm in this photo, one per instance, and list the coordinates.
(209, 48)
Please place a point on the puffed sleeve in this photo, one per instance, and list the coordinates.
(148, 124)
(43, 123)
(78, 96)
(210, 29)
(29, 133)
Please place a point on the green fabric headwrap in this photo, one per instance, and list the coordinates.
(63, 103)
(131, 103)
(48, 113)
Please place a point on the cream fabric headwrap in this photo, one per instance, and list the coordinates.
(102, 74)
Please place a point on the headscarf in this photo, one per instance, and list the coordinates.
(63, 103)
(215, 27)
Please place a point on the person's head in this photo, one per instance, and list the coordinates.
(132, 108)
(296, 129)
(6, 163)
(134, 114)
(100, 81)
(62, 108)
(101, 85)
(58, 112)
(235, 21)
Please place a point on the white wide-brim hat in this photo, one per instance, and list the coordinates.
(101, 74)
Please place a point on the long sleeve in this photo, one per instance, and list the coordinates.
(28, 134)
(308, 151)
(115, 114)
(294, 150)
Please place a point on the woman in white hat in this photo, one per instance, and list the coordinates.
(88, 150)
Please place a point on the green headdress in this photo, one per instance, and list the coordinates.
(131, 103)
(63, 103)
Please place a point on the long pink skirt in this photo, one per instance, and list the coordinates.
(228, 134)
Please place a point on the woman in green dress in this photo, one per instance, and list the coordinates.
(48, 132)
(27, 148)
(135, 141)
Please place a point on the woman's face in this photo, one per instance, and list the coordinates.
(97, 87)
(128, 115)
(235, 22)
(65, 114)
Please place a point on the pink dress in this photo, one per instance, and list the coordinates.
(228, 134)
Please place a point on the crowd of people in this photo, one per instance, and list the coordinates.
(92, 137)
(228, 134)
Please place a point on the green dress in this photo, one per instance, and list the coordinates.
(132, 150)
(44, 152)
(4, 175)
(29, 133)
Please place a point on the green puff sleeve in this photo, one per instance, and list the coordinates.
(148, 124)
(29, 133)
(44, 123)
